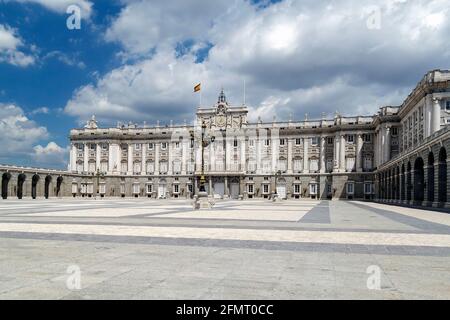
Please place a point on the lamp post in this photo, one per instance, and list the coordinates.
(98, 174)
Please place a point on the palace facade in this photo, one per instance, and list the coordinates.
(397, 155)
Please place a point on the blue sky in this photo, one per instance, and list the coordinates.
(136, 60)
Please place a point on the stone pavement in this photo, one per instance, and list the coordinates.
(256, 249)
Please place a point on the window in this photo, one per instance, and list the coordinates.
(447, 105)
(104, 166)
(122, 188)
(350, 138)
(177, 145)
(314, 165)
(163, 145)
(123, 167)
(298, 165)
(250, 188)
(80, 147)
(298, 141)
(149, 188)
(191, 166)
(177, 166)
(350, 164)
(314, 141)
(190, 187)
(136, 188)
(192, 143)
(265, 188)
(367, 163)
(267, 142)
(137, 167)
(251, 165)
(91, 167)
(163, 167)
(251, 143)
(394, 131)
(282, 141)
(150, 146)
(313, 189)
(350, 187)
(368, 188)
(137, 146)
(102, 188)
(176, 188)
(150, 167)
(330, 140)
(74, 187)
(92, 146)
(329, 189)
(235, 142)
(297, 188)
(104, 146)
(282, 165)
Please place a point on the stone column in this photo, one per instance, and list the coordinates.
(243, 154)
(387, 145)
(184, 160)
(336, 154)
(73, 158)
(305, 155)
(322, 154)
(144, 158)
(359, 145)
(342, 154)
(289, 157)
(170, 151)
(226, 193)
(130, 159)
(98, 155)
(86, 157)
(157, 146)
(436, 116)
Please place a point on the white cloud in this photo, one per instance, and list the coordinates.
(10, 45)
(50, 155)
(18, 134)
(296, 56)
(42, 110)
(60, 6)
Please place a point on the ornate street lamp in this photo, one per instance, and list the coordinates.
(98, 174)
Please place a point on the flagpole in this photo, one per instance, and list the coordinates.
(244, 92)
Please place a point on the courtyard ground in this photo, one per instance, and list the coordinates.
(162, 249)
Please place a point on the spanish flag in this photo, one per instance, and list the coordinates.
(197, 88)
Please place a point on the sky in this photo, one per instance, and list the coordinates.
(138, 60)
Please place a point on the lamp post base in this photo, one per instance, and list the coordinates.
(202, 201)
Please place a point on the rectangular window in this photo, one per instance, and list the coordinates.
(149, 188)
(102, 188)
(163, 145)
(150, 146)
(122, 189)
(314, 141)
(190, 187)
(176, 188)
(137, 146)
(350, 138)
(265, 188)
(350, 188)
(282, 141)
(447, 105)
(329, 188)
(330, 140)
(368, 188)
(74, 187)
(296, 188)
(192, 143)
(235, 142)
(250, 188)
(251, 143)
(267, 142)
(367, 137)
(394, 131)
(136, 188)
(298, 141)
(104, 146)
(177, 145)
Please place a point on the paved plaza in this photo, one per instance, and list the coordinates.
(256, 249)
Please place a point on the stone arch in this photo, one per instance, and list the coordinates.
(442, 175)
(419, 181)
(408, 182)
(430, 179)
(59, 182)
(5, 181)
(48, 181)
(34, 182)
(20, 181)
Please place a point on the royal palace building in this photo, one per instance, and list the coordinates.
(398, 155)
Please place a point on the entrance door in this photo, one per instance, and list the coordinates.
(234, 190)
(219, 190)
(162, 191)
(281, 191)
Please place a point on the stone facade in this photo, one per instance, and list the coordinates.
(339, 158)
